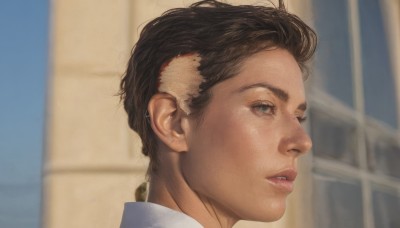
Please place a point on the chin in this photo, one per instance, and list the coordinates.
(268, 212)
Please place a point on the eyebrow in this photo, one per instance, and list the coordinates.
(281, 94)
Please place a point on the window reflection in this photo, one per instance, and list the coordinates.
(333, 138)
(386, 208)
(338, 202)
(383, 152)
(333, 61)
(379, 86)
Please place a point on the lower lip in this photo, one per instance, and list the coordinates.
(284, 185)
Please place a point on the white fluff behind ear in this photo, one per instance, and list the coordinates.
(181, 79)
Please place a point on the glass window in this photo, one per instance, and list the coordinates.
(383, 152)
(367, 139)
(333, 137)
(386, 209)
(379, 89)
(333, 60)
(337, 202)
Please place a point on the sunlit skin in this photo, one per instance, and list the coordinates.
(226, 168)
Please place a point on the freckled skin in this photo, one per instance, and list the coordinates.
(238, 145)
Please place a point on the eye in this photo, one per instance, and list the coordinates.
(264, 108)
(302, 119)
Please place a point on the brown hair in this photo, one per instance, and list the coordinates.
(223, 35)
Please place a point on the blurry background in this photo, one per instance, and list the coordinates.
(24, 72)
(68, 158)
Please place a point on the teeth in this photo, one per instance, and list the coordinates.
(282, 178)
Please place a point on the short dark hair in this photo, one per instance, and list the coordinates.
(223, 35)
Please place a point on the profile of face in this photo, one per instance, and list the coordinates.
(242, 157)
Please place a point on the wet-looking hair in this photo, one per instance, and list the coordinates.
(223, 35)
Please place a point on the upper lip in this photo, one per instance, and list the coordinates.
(290, 174)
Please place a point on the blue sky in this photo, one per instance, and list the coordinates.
(23, 82)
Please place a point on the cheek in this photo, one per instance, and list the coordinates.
(216, 149)
(232, 151)
(231, 140)
(230, 155)
(243, 139)
(228, 163)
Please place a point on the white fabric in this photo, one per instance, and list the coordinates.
(141, 215)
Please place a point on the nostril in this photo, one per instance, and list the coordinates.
(301, 144)
(295, 140)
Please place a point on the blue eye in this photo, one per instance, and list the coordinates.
(264, 108)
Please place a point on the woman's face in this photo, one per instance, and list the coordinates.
(242, 157)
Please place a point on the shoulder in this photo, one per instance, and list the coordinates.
(144, 214)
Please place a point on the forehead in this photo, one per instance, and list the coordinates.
(276, 67)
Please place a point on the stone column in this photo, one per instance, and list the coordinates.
(93, 161)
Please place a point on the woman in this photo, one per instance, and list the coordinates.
(216, 94)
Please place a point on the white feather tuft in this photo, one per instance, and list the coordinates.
(181, 79)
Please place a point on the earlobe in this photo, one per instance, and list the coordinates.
(166, 121)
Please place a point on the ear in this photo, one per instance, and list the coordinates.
(166, 120)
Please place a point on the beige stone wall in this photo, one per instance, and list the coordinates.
(93, 161)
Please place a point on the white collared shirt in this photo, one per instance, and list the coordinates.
(141, 215)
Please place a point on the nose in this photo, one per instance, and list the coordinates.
(295, 139)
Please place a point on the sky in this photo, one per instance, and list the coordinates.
(24, 42)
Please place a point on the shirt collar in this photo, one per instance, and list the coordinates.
(140, 214)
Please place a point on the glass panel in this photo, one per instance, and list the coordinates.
(383, 153)
(386, 209)
(333, 61)
(379, 89)
(333, 138)
(337, 202)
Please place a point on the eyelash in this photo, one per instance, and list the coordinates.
(301, 119)
(270, 109)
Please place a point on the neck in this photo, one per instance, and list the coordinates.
(169, 188)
